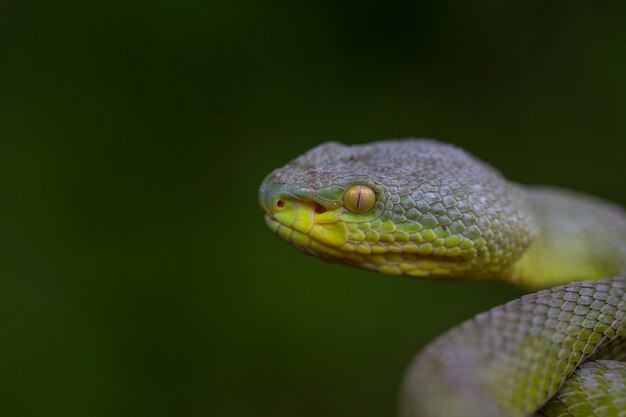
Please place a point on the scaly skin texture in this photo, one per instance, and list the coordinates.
(442, 214)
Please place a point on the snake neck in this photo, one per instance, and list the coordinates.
(579, 237)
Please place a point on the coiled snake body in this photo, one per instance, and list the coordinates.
(429, 210)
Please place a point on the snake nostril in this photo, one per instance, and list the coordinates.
(319, 209)
(280, 204)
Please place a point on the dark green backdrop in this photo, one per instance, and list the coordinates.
(136, 274)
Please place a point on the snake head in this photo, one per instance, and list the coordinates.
(404, 207)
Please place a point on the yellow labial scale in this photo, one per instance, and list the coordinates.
(440, 271)
(284, 232)
(318, 247)
(357, 236)
(335, 253)
(377, 259)
(351, 226)
(404, 267)
(394, 248)
(299, 239)
(388, 226)
(391, 270)
(438, 242)
(372, 236)
(427, 265)
(286, 216)
(378, 248)
(334, 234)
(302, 226)
(410, 248)
(428, 235)
(401, 236)
(348, 247)
(330, 216)
(418, 273)
(460, 267)
(376, 224)
(386, 237)
(303, 218)
(363, 248)
(272, 224)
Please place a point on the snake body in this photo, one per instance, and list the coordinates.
(433, 211)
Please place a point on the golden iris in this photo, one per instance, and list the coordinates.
(359, 199)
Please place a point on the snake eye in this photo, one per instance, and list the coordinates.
(359, 199)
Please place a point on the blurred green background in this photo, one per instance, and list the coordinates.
(137, 275)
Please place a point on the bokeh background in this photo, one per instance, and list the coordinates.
(137, 277)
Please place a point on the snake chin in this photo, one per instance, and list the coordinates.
(389, 260)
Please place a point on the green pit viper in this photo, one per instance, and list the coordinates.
(425, 209)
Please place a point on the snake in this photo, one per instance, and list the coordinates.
(429, 210)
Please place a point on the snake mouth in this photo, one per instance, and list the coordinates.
(393, 259)
(319, 228)
(302, 240)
